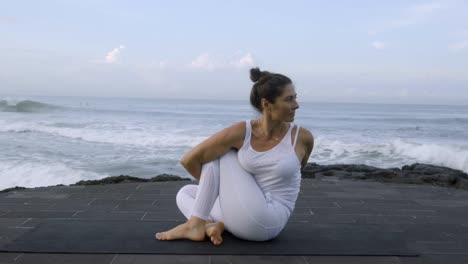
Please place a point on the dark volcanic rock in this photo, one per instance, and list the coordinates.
(168, 177)
(115, 179)
(112, 179)
(13, 189)
(126, 178)
(417, 173)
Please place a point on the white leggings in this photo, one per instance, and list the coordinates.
(228, 193)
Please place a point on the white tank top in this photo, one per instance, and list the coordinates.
(277, 171)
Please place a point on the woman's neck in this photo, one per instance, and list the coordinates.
(270, 128)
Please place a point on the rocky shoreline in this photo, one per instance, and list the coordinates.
(417, 173)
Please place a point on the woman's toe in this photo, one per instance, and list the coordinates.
(215, 240)
(159, 236)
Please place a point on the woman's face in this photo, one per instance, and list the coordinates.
(285, 105)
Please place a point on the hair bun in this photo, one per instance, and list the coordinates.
(256, 74)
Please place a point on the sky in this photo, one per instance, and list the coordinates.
(413, 52)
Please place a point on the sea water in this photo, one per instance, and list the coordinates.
(61, 140)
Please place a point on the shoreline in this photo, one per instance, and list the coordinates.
(416, 173)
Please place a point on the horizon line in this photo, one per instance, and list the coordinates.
(229, 100)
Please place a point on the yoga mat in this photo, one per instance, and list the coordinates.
(137, 237)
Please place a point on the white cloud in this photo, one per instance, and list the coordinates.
(113, 56)
(210, 61)
(246, 60)
(204, 61)
(378, 45)
(457, 46)
(372, 32)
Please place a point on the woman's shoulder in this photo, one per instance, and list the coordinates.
(306, 137)
(237, 130)
(240, 125)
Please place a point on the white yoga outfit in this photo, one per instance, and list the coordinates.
(252, 192)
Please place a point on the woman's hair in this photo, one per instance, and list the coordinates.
(267, 85)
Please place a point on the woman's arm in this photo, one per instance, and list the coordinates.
(308, 141)
(212, 148)
(194, 168)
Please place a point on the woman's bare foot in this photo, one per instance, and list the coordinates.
(184, 231)
(214, 231)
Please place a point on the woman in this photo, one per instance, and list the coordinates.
(249, 173)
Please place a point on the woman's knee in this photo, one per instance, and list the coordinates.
(187, 191)
(229, 163)
(211, 165)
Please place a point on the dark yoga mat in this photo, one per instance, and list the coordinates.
(137, 237)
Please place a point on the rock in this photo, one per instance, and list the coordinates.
(382, 173)
(13, 189)
(417, 173)
(359, 168)
(115, 179)
(126, 178)
(428, 169)
(110, 180)
(168, 177)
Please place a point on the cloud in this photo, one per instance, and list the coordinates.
(210, 61)
(457, 46)
(246, 60)
(205, 61)
(378, 45)
(113, 56)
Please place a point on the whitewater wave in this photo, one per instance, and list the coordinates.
(26, 106)
(38, 174)
(107, 133)
(450, 156)
(351, 150)
(393, 153)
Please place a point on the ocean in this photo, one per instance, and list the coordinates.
(61, 140)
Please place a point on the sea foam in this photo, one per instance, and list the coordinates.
(36, 174)
(389, 153)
